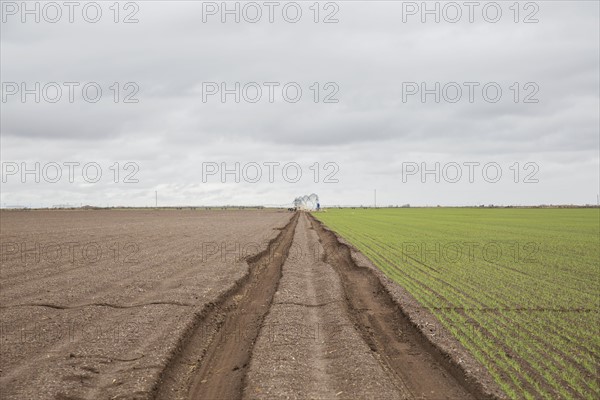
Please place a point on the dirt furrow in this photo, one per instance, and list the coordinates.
(398, 345)
(213, 358)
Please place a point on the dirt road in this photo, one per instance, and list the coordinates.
(310, 325)
(329, 335)
(309, 347)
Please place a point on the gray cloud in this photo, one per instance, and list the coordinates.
(369, 133)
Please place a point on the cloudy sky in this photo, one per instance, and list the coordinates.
(491, 105)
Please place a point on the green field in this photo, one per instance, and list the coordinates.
(519, 288)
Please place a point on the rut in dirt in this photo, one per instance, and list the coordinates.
(308, 347)
(398, 345)
(213, 357)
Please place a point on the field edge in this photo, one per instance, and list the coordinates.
(440, 342)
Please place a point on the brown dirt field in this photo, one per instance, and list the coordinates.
(207, 305)
(103, 324)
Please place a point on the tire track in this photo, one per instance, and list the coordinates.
(214, 355)
(308, 348)
(401, 349)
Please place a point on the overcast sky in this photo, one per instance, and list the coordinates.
(374, 133)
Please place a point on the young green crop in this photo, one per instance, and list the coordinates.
(519, 288)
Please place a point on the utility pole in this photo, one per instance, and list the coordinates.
(156, 198)
(375, 195)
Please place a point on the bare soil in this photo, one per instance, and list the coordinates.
(103, 325)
